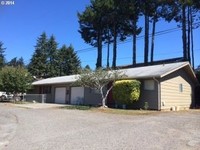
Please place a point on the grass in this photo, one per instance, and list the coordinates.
(77, 107)
(110, 110)
(127, 111)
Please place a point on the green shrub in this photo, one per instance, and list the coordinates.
(126, 91)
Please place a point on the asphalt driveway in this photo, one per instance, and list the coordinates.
(61, 129)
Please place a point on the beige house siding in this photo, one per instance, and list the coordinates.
(171, 95)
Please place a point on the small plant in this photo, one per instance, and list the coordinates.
(146, 105)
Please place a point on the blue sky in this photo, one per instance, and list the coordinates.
(22, 23)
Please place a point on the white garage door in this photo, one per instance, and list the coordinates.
(77, 95)
(60, 94)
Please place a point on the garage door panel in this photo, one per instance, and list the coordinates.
(60, 95)
(77, 95)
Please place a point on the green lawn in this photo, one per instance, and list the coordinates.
(111, 110)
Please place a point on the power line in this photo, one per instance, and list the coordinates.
(138, 38)
(139, 56)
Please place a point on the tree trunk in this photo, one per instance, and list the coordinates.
(134, 43)
(108, 50)
(104, 98)
(184, 36)
(192, 40)
(189, 34)
(146, 42)
(99, 50)
(152, 40)
(114, 48)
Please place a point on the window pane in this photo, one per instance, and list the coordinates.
(149, 85)
(180, 87)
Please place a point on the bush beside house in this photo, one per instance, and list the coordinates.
(126, 92)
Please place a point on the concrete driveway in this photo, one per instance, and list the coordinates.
(61, 129)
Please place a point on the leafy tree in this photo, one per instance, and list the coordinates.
(15, 79)
(52, 56)
(98, 80)
(38, 63)
(69, 62)
(2, 56)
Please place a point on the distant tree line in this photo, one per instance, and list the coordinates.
(13, 62)
(50, 61)
(111, 21)
(47, 61)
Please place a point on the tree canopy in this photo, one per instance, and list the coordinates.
(50, 61)
(15, 79)
(2, 55)
(111, 21)
(99, 80)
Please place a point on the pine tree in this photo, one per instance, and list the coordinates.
(13, 62)
(38, 63)
(2, 56)
(52, 64)
(68, 60)
(20, 62)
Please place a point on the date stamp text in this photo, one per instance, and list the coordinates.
(7, 2)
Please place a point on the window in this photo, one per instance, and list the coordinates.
(181, 88)
(149, 85)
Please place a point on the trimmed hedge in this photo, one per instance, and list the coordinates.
(126, 91)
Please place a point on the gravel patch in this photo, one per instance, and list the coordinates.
(61, 129)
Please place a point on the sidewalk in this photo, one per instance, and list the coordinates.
(39, 105)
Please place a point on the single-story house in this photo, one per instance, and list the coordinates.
(163, 86)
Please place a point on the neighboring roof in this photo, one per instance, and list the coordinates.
(57, 80)
(157, 71)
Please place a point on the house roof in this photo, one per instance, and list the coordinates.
(56, 80)
(157, 71)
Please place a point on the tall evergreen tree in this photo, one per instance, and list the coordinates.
(91, 29)
(20, 62)
(68, 60)
(13, 62)
(16, 62)
(2, 55)
(38, 63)
(133, 13)
(52, 64)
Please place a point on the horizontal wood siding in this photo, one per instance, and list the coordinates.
(171, 96)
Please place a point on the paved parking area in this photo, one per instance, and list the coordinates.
(61, 129)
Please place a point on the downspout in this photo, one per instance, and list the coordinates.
(159, 93)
